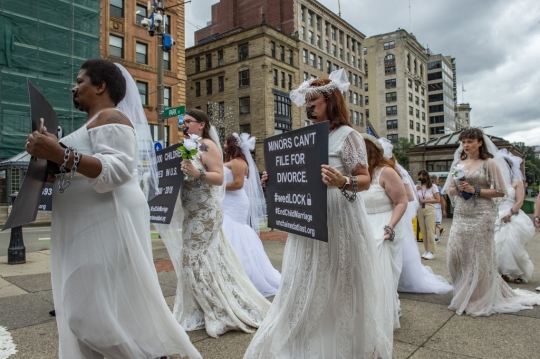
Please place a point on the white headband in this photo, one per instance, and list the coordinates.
(338, 80)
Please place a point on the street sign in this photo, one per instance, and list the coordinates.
(158, 146)
(174, 111)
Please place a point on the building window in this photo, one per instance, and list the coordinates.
(209, 86)
(310, 37)
(355, 80)
(304, 56)
(167, 96)
(410, 96)
(167, 60)
(290, 57)
(391, 125)
(423, 128)
(367, 113)
(418, 126)
(154, 133)
(393, 138)
(327, 46)
(411, 110)
(416, 100)
(319, 45)
(306, 76)
(243, 78)
(221, 84)
(366, 100)
(391, 110)
(366, 87)
(116, 46)
(356, 118)
(411, 138)
(422, 74)
(290, 81)
(272, 49)
(243, 52)
(350, 96)
(319, 20)
(275, 72)
(167, 23)
(244, 105)
(312, 59)
(341, 54)
(391, 97)
(197, 64)
(282, 53)
(390, 83)
(220, 61)
(414, 66)
(282, 106)
(197, 89)
(319, 63)
(116, 8)
(143, 92)
(423, 116)
(141, 53)
(389, 64)
(283, 79)
(355, 98)
(365, 50)
(208, 61)
(140, 12)
(389, 45)
(334, 50)
(411, 125)
(333, 33)
(417, 140)
(310, 18)
(423, 101)
(416, 87)
(417, 113)
(409, 83)
(328, 67)
(245, 128)
(422, 91)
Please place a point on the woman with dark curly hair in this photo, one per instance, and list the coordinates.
(244, 210)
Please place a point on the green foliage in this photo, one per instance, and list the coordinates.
(532, 165)
(187, 155)
(400, 151)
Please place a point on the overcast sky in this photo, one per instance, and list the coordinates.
(496, 44)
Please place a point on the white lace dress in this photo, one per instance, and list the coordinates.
(379, 208)
(213, 291)
(246, 242)
(106, 293)
(330, 303)
(511, 239)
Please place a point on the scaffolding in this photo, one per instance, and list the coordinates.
(45, 41)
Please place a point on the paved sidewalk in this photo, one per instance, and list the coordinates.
(428, 329)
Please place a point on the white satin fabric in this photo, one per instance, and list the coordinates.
(246, 242)
(106, 293)
(331, 301)
(379, 208)
(511, 239)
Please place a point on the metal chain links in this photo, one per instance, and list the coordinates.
(62, 184)
(200, 180)
(351, 197)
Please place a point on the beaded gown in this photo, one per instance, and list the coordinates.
(246, 242)
(379, 208)
(511, 239)
(479, 290)
(331, 301)
(213, 291)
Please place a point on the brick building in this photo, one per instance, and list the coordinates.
(246, 75)
(126, 41)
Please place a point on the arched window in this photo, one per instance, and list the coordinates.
(389, 64)
(422, 70)
(414, 64)
(408, 63)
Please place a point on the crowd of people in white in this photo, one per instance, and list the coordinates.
(335, 299)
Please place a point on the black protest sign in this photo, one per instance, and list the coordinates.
(295, 192)
(45, 202)
(26, 206)
(170, 180)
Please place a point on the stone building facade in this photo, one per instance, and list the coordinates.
(441, 95)
(248, 73)
(396, 86)
(463, 116)
(124, 40)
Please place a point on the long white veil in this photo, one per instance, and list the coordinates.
(257, 202)
(132, 106)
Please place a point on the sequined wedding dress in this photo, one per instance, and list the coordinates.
(330, 303)
(213, 291)
(511, 238)
(246, 242)
(479, 290)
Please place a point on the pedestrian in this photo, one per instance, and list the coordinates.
(330, 303)
(479, 290)
(105, 287)
(440, 209)
(428, 196)
(537, 219)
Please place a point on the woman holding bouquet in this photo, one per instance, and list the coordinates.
(479, 290)
(213, 290)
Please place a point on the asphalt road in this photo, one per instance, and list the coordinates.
(31, 238)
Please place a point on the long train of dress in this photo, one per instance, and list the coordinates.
(106, 292)
(472, 258)
(331, 301)
(415, 277)
(511, 239)
(246, 242)
(213, 291)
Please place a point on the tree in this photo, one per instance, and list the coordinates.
(400, 151)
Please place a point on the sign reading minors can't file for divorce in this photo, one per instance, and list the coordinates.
(296, 195)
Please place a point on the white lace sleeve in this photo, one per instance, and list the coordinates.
(115, 146)
(353, 153)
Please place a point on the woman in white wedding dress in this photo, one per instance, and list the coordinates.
(513, 228)
(386, 202)
(331, 301)
(415, 277)
(243, 205)
(213, 290)
(106, 292)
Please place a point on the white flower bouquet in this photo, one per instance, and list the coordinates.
(189, 149)
(459, 172)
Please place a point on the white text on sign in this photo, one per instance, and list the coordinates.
(299, 141)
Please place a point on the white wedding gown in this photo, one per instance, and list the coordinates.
(415, 277)
(331, 301)
(106, 293)
(246, 242)
(511, 238)
(379, 208)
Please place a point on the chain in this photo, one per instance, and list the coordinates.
(351, 197)
(62, 184)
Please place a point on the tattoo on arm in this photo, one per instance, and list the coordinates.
(203, 147)
(115, 118)
(205, 167)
